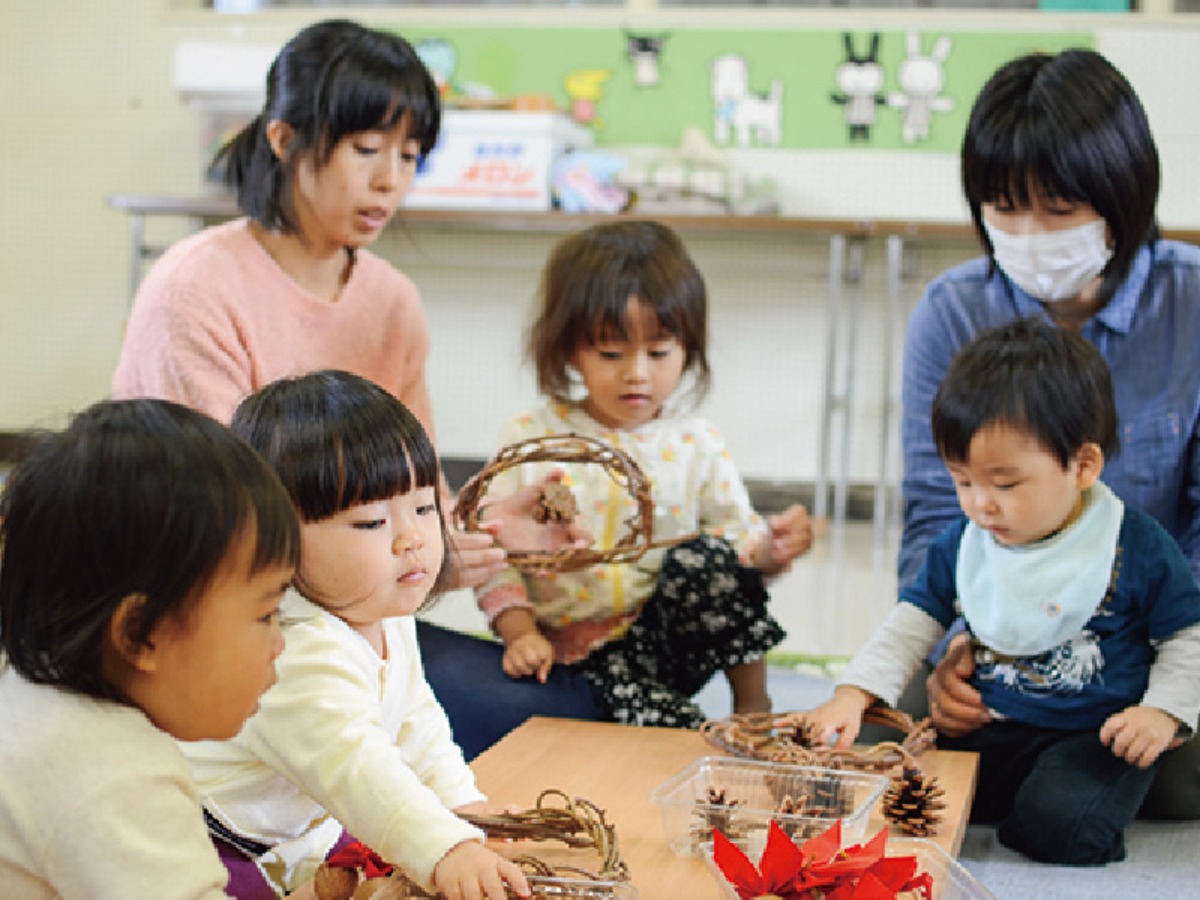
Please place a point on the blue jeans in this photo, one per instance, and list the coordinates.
(1056, 796)
(481, 702)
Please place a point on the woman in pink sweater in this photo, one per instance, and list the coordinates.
(291, 287)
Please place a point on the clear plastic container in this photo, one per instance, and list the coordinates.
(759, 791)
(579, 889)
(950, 880)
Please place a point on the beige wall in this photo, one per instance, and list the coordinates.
(86, 108)
(75, 100)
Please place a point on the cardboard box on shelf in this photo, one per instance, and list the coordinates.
(495, 160)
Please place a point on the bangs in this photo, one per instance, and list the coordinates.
(379, 465)
(336, 439)
(356, 462)
(611, 319)
(365, 95)
(1007, 162)
(609, 314)
(960, 418)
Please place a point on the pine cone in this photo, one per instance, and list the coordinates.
(798, 808)
(913, 803)
(396, 886)
(555, 504)
(802, 733)
(724, 817)
(333, 883)
(831, 797)
(793, 806)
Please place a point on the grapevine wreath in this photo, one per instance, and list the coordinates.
(358, 873)
(558, 504)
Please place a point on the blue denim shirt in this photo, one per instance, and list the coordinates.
(1150, 335)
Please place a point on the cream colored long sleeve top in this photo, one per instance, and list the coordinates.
(95, 802)
(343, 739)
(696, 488)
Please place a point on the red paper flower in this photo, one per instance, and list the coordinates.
(820, 869)
(357, 855)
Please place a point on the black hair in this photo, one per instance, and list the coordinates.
(1071, 126)
(333, 79)
(335, 440)
(133, 497)
(1031, 376)
(586, 287)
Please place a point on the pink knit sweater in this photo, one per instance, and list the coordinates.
(215, 319)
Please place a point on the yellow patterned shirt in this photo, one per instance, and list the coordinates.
(695, 486)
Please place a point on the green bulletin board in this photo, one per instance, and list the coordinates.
(802, 65)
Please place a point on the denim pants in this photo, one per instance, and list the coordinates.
(481, 702)
(1056, 796)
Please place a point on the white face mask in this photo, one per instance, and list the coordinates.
(1052, 265)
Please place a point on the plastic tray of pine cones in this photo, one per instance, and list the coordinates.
(742, 796)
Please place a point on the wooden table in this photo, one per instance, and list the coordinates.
(617, 766)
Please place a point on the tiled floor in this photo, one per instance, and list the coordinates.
(836, 594)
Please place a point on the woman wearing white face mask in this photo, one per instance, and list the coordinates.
(1061, 174)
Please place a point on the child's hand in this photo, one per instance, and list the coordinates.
(840, 716)
(1139, 734)
(471, 871)
(789, 534)
(514, 521)
(528, 654)
(474, 808)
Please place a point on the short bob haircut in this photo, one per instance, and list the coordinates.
(134, 497)
(1031, 376)
(336, 440)
(335, 78)
(1069, 125)
(585, 291)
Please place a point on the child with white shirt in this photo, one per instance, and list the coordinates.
(145, 554)
(1083, 612)
(351, 737)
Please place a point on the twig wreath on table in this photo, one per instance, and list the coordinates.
(912, 802)
(357, 872)
(558, 504)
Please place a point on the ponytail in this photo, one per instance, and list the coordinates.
(256, 176)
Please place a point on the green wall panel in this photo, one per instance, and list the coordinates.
(802, 64)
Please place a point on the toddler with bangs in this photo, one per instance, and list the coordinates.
(351, 737)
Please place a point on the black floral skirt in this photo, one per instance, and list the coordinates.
(707, 614)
